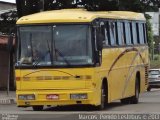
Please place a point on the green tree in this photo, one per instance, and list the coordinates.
(8, 21)
(149, 33)
(26, 7)
(139, 5)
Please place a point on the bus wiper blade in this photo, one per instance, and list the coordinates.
(25, 63)
(31, 45)
(61, 55)
(49, 51)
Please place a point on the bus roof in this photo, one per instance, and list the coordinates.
(77, 15)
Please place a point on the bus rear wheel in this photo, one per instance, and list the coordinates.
(149, 89)
(125, 100)
(38, 108)
(134, 99)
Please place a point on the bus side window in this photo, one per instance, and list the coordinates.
(120, 34)
(141, 33)
(128, 33)
(107, 37)
(138, 33)
(124, 33)
(103, 32)
(112, 31)
(145, 33)
(134, 33)
(131, 32)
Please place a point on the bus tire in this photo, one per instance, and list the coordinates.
(135, 98)
(104, 98)
(125, 100)
(38, 108)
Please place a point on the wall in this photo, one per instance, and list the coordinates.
(4, 65)
(3, 69)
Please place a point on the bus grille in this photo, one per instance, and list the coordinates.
(85, 77)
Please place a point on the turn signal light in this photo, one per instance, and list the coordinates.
(17, 78)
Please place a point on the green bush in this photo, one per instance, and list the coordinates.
(156, 57)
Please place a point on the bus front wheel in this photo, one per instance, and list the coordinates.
(135, 98)
(38, 108)
(103, 98)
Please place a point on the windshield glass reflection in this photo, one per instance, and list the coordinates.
(59, 45)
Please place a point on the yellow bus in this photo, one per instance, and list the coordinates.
(79, 57)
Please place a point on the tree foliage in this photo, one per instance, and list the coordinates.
(140, 5)
(31, 6)
(149, 33)
(7, 21)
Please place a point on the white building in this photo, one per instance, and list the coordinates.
(154, 22)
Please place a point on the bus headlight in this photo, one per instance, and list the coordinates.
(78, 96)
(26, 97)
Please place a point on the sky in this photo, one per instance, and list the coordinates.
(12, 1)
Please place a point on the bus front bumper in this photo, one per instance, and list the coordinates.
(57, 97)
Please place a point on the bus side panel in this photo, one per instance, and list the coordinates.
(115, 69)
(120, 66)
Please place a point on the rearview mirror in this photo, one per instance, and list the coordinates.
(41, 5)
(99, 42)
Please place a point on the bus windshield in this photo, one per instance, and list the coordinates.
(58, 45)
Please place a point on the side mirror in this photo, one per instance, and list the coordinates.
(99, 42)
(10, 43)
(41, 5)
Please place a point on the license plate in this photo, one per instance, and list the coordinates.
(52, 97)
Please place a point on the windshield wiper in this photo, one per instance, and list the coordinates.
(31, 46)
(49, 50)
(61, 55)
(25, 62)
